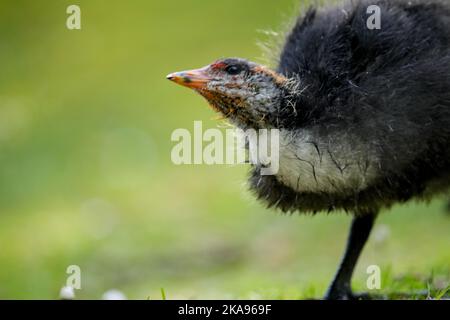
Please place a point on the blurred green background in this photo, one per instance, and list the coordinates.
(86, 177)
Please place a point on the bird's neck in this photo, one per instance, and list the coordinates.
(286, 113)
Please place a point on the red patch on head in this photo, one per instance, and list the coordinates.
(218, 65)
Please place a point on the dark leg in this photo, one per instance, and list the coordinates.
(359, 232)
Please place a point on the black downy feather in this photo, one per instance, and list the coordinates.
(389, 87)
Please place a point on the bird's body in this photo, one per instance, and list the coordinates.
(364, 114)
(373, 120)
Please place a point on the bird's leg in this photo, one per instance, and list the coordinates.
(447, 208)
(340, 288)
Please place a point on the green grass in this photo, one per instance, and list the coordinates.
(86, 176)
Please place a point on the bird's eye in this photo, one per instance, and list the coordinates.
(233, 69)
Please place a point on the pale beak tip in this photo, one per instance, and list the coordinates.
(194, 79)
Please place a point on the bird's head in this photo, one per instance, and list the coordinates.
(246, 93)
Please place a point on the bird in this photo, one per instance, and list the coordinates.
(363, 113)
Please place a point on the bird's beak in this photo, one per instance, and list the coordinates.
(194, 79)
